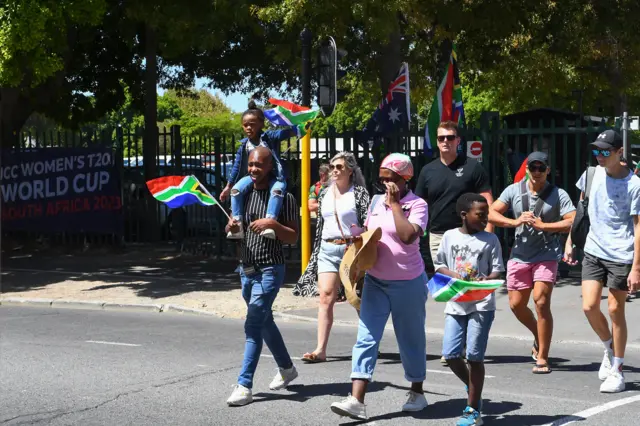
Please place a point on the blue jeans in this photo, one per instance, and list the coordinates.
(244, 185)
(473, 328)
(259, 290)
(405, 301)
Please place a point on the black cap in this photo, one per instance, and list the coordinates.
(608, 139)
(538, 156)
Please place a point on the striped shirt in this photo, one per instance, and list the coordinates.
(258, 250)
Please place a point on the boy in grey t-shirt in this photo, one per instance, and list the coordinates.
(469, 253)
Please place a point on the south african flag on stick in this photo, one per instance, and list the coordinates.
(446, 289)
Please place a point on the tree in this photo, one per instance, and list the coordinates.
(65, 59)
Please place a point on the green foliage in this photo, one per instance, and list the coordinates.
(34, 36)
(353, 112)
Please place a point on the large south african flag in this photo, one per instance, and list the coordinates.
(180, 191)
(446, 289)
(289, 114)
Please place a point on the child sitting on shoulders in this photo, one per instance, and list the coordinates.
(253, 121)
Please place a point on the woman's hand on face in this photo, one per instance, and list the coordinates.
(393, 193)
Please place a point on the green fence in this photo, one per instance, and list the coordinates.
(505, 143)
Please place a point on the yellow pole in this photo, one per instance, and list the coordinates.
(305, 183)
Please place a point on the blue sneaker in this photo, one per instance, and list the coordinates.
(466, 388)
(469, 417)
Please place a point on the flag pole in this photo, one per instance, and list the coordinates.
(305, 152)
(305, 183)
(214, 199)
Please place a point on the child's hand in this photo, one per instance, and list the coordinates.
(233, 226)
(260, 225)
(225, 193)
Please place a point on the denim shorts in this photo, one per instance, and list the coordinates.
(475, 327)
(330, 256)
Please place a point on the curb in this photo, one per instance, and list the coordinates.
(102, 305)
(184, 310)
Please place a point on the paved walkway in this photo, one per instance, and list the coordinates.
(155, 277)
(160, 277)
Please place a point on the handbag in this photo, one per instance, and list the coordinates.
(581, 222)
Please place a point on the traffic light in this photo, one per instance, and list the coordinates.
(328, 76)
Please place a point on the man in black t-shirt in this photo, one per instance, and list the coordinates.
(262, 273)
(443, 181)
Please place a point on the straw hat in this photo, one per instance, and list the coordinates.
(360, 256)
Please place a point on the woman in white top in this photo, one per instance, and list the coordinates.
(342, 210)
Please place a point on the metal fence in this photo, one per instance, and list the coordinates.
(200, 229)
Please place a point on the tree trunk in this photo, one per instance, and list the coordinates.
(389, 61)
(150, 139)
(15, 109)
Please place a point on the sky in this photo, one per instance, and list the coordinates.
(237, 101)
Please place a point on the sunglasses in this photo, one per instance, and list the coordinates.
(338, 167)
(447, 138)
(541, 168)
(384, 180)
(604, 152)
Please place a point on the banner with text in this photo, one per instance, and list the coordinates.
(61, 189)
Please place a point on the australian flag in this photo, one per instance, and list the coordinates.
(393, 113)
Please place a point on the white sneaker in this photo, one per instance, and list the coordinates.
(236, 235)
(605, 367)
(283, 378)
(614, 383)
(350, 407)
(268, 233)
(240, 396)
(416, 402)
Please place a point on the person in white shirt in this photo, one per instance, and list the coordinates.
(342, 210)
(611, 252)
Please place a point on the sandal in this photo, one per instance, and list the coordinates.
(311, 358)
(534, 351)
(541, 369)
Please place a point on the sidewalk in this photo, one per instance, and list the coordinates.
(160, 277)
(144, 276)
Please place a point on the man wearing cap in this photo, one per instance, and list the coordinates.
(611, 252)
(542, 211)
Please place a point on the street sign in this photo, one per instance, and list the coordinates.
(474, 150)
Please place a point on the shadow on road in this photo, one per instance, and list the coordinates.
(302, 393)
(452, 408)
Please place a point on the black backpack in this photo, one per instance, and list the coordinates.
(581, 223)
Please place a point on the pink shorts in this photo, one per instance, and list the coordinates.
(521, 276)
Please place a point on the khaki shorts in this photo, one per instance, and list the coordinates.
(434, 245)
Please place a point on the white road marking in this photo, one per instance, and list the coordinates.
(583, 415)
(271, 356)
(486, 376)
(428, 371)
(111, 343)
